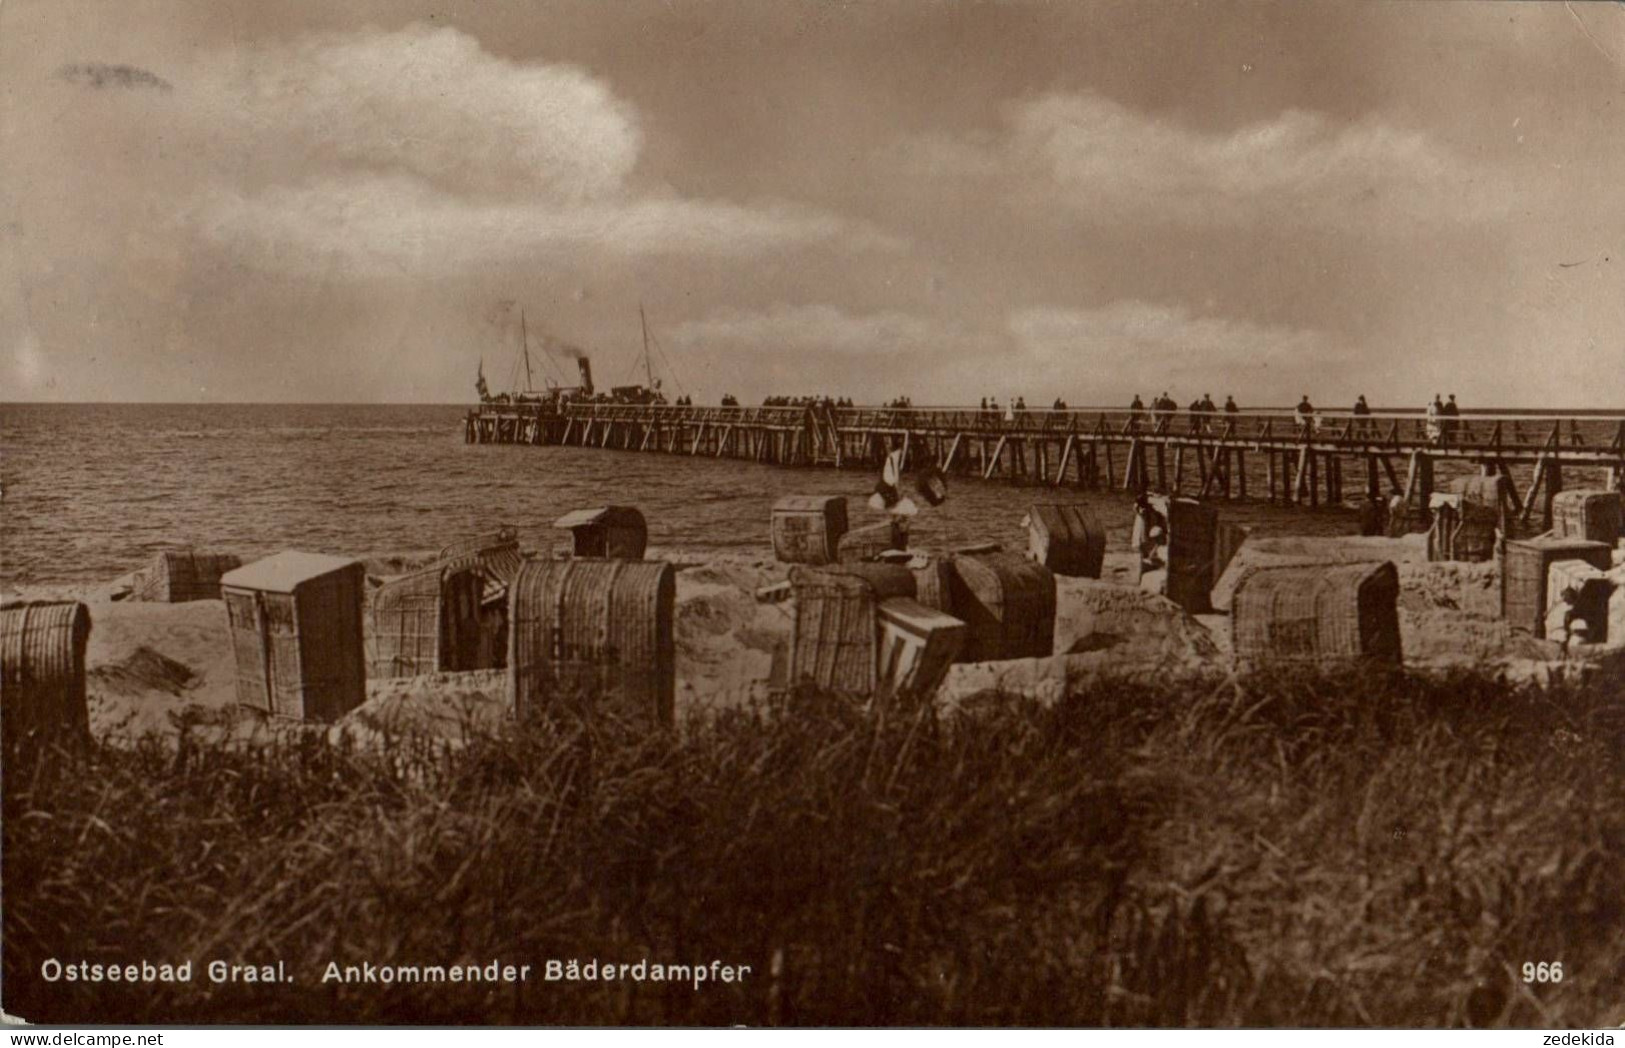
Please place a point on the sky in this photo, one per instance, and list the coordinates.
(267, 201)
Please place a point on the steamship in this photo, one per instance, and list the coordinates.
(554, 393)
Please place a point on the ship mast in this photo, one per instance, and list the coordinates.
(648, 369)
(524, 337)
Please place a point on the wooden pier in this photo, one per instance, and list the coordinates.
(1339, 456)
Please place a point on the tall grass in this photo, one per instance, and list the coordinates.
(1268, 850)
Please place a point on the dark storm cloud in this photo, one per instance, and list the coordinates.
(101, 75)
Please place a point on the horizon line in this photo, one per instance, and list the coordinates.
(1611, 411)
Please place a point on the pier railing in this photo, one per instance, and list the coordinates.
(1203, 452)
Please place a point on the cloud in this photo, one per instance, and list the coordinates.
(1090, 356)
(28, 367)
(101, 75)
(432, 103)
(1111, 350)
(1094, 160)
(417, 151)
(817, 348)
(372, 225)
(817, 328)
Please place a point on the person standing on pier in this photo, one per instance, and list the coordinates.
(1305, 415)
(1230, 407)
(1362, 416)
(1452, 417)
(1436, 420)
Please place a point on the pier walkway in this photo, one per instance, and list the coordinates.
(1205, 455)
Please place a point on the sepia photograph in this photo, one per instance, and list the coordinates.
(812, 513)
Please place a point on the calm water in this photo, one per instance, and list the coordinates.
(90, 491)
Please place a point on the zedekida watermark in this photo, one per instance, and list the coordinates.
(696, 975)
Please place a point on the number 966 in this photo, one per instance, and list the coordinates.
(1543, 972)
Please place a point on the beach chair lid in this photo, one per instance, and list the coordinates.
(284, 572)
(1559, 543)
(582, 518)
(807, 503)
(908, 612)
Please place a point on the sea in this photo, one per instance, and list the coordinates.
(89, 492)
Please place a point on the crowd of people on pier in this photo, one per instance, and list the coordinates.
(1201, 411)
(1443, 415)
(821, 401)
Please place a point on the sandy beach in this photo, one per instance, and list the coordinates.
(156, 668)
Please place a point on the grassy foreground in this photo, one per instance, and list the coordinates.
(1263, 851)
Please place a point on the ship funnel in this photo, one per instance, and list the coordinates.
(586, 374)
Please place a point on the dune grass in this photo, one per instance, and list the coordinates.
(1260, 851)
